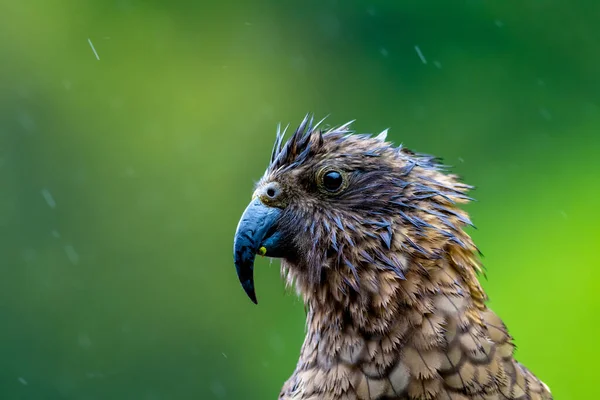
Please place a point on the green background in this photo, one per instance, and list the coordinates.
(122, 179)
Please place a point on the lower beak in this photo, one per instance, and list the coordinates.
(256, 233)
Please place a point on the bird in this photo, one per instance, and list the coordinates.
(372, 237)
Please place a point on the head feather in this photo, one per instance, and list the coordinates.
(397, 202)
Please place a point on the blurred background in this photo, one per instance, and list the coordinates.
(132, 132)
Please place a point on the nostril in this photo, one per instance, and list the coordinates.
(271, 192)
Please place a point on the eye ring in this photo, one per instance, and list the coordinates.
(331, 180)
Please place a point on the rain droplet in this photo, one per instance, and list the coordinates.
(49, 199)
(93, 49)
(545, 114)
(84, 340)
(218, 389)
(26, 121)
(72, 254)
(420, 54)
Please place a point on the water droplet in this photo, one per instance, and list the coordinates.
(84, 341)
(72, 254)
(545, 114)
(93, 49)
(218, 389)
(49, 199)
(420, 54)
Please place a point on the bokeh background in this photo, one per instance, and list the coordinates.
(132, 132)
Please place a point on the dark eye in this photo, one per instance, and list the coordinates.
(333, 181)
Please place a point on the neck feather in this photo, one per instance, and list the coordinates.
(379, 305)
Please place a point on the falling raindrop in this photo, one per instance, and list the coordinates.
(93, 49)
(72, 254)
(218, 389)
(420, 54)
(49, 198)
(545, 114)
(84, 341)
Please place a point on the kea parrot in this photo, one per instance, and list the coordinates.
(372, 237)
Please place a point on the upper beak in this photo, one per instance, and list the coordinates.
(256, 230)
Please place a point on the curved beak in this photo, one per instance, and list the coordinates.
(256, 234)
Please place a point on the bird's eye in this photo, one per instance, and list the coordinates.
(332, 181)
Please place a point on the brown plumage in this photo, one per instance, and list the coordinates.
(387, 273)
